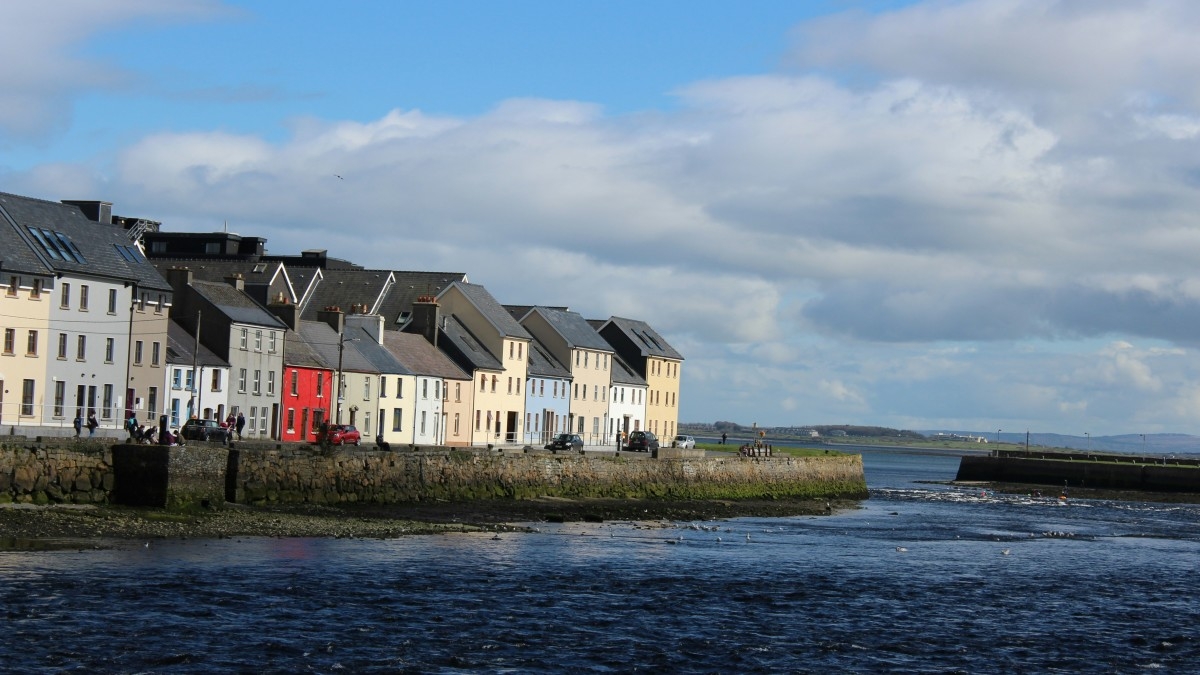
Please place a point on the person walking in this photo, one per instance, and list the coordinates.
(723, 437)
(241, 424)
(92, 423)
(78, 424)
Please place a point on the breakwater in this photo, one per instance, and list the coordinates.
(1092, 470)
(56, 470)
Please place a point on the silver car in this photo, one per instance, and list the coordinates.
(684, 442)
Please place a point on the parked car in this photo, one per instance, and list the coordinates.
(204, 430)
(342, 434)
(565, 442)
(642, 441)
(682, 441)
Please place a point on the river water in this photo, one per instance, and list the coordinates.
(924, 578)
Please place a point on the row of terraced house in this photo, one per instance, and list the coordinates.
(112, 317)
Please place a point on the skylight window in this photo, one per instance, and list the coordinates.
(129, 253)
(58, 245)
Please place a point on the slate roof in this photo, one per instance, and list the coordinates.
(542, 364)
(421, 357)
(344, 288)
(181, 345)
(644, 338)
(299, 354)
(379, 356)
(20, 249)
(323, 340)
(236, 305)
(623, 374)
(257, 284)
(408, 287)
(578, 333)
(492, 311)
(465, 348)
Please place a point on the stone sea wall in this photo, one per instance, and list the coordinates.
(297, 476)
(60, 471)
(1083, 472)
(43, 471)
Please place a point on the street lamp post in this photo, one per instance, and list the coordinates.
(1089, 437)
(339, 393)
(1143, 444)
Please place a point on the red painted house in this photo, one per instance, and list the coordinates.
(307, 396)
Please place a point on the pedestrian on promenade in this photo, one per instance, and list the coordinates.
(241, 424)
(92, 423)
(78, 424)
(723, 437)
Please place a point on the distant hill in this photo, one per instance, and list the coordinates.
(1155, 444)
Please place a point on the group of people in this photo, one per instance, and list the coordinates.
(235, 424)
(91, 424)
(140, 433)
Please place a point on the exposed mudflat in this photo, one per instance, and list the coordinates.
(25, 526)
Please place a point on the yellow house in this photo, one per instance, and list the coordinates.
(656, 361)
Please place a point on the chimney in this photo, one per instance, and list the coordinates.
(100, 212)
(237, 281)
(179, 278)
(424, 318)
(286, 311)
(371, 323)
(333, 316)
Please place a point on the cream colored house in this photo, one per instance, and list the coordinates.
(573, 342)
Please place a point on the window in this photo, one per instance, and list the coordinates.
(13, 284)
(483, 383)
(367, 389)
(245, 336)
(399, 388)
(112, 301)
(162, 301)
(242, 381)
(258, 340)
(106, 411)
(154, 353)
(142, 302)
(60, 395)
(262, 419)
(35, 293)
(270, 383)
(422, 421)
(397, 419)
(295, 384)
(510, 384)
(291, 420)
(252, 420)
(257, 382)
(458, 391)
(65, 301)
(216, 380)
(320, 385)
(476, 420)
(62, 346)
(83, 297)
(520, 350)
(510, 349)
(81, 348)
(189, 380)
(424, 389)
(455, 424)
(367, 423)
(174, 412)
(437, 389)
(518, 385)
(585, 359)
(137, 353)
(109, 347)
(383, 387)
(32, 346)
(271, 344)
(152, 402)
(541, 387)
(27, 398)
(176, 378)
(494, 381)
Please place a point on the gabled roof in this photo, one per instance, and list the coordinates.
(421, 357)
(236, 305)
(459, 341)
(324, 340)
(491, 310)
(642, 337)
(181, 345)
(42, 237)
(345, 288)
(573, 328)
(542, 364)
(397, 304)
(257, 277)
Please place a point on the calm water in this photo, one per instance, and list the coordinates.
(923, 579)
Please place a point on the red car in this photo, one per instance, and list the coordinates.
(341, 434)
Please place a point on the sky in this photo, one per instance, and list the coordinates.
(975, 215)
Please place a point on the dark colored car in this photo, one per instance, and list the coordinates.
(204, 430)
(341, 434)
(565, 442)
(642, 441)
